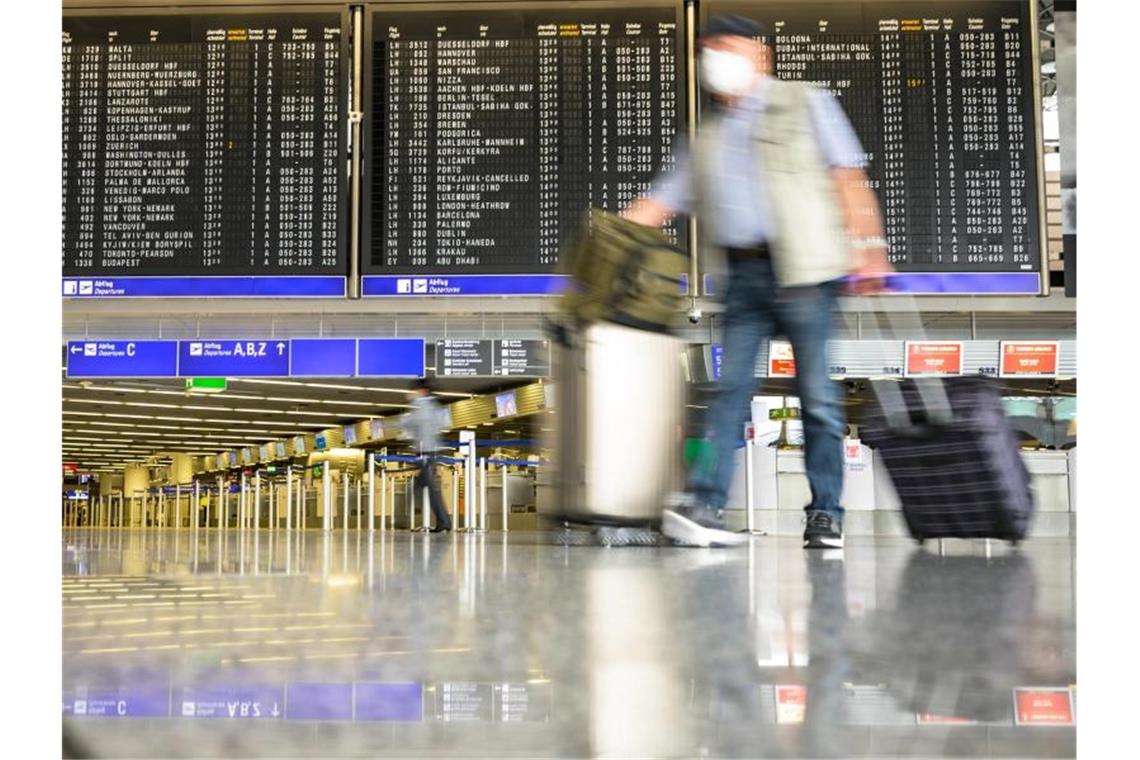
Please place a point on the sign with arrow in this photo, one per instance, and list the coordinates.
(234, 358)
(122, 358)
(232, 702)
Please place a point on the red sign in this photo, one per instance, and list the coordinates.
(781, 360)
(1029, 359)
(1043, 707)
(933, 357)
(791, 703)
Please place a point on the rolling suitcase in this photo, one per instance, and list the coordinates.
(952, 456)
(618, 447)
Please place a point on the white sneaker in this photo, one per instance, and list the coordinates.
(698, 526)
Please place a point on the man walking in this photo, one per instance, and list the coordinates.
(776, 179)
(423, 424)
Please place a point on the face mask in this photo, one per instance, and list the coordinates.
(726, 73)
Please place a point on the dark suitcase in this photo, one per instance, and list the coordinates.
(954, 644)
(957, 470)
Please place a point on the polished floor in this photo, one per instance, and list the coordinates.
(208, 644)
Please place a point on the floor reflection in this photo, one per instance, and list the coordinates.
(220, 644)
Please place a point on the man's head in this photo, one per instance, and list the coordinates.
(422, 387)
(732, 58)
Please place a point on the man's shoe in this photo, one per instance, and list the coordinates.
(444, 529)
(694, 524)
(823, 531)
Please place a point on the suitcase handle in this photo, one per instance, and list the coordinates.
(932, 391)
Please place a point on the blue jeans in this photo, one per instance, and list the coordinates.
(754, 311)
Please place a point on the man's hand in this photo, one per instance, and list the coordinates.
(647, 211)
(871, 271)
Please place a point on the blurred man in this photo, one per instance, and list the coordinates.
(423, 424)
(775, 177)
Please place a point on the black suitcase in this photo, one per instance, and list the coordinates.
(954, 643)
(953, 458)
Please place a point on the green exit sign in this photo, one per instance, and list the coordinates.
(205, 384)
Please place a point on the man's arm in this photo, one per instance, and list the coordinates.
(671, 194)
(864, 225)
(858, 203)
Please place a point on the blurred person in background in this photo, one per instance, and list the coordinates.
(422, 425)
(776, 179)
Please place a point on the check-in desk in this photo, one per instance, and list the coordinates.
(780, 492)
(1049, 478)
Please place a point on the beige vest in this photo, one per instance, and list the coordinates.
(807, 241)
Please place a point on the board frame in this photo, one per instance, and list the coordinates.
(252, 285)
(930, 283)
(376, 282)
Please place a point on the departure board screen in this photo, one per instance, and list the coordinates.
(205, 144)
(494, 128)
(941, 96)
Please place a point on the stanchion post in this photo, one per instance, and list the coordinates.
(483, 500)
(326, 498)
(506, 503)
(289, 499)
(410, 495)
(257, 500)
(371, 494)
(749, 484)
(344, 502)
(386, 503)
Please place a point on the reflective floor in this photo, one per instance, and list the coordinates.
(350, 645)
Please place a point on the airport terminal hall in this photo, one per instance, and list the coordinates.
(536, 378)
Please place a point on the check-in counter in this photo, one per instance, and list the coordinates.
(1049, 477)
(1073, 480)
(521, 495)
(858, 479)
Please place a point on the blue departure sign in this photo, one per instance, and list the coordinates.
(322, 357)
(390, 357)
(122, 358)
(232, 702)
(233, 358)
(465, 285)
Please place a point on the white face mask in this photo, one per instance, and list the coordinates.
(726, 73)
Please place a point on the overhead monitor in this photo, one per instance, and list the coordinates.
(205, 144)
(493, 127)
(279, 449)
(943, 98)
(506, 404)
(349, 434)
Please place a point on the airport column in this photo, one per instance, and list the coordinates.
(257, 500)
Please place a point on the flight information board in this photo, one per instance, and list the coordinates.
(494, 127)
(941, 95)
(205, 144)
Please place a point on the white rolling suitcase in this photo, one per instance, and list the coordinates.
(620, 414)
